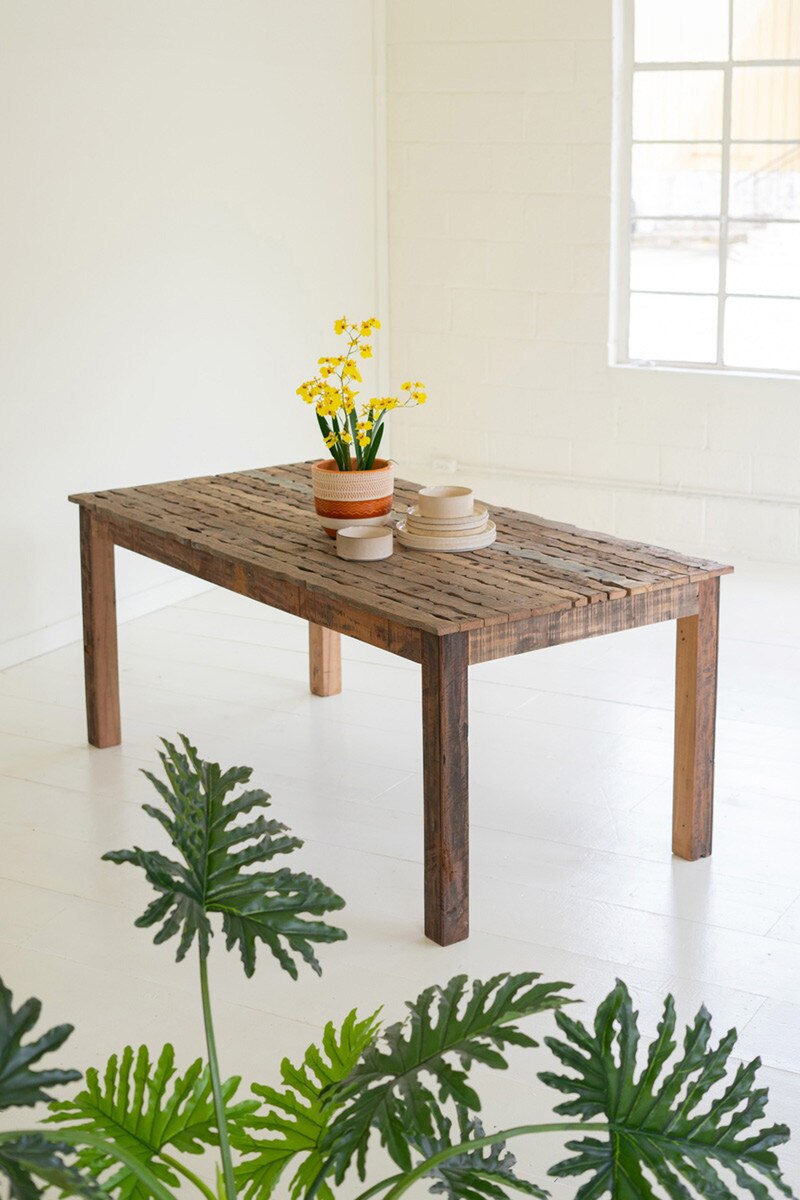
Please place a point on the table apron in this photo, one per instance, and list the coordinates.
(589, 620)
(262, 585)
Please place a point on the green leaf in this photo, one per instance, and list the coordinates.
(678, 1122)
(485, 1173)
(325, 429)
(26, 1158)
(30, 1158)
(423, 1062)
(373, 448)
(299, 1114)
(145, 1108)
(215, 848)
(19, 1085)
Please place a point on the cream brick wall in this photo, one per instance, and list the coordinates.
(188, 200)
(499, 170)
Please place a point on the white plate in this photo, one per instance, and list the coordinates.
(421, 528)
(477, 541)
(419, 523)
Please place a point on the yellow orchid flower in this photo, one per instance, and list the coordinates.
(334, 398)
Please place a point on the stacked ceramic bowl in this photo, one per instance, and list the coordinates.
(446, 518)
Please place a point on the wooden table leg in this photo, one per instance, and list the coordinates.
(324, 660)
(446, 783)
(695, 717)
(101, 670)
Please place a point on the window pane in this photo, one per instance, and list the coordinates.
(764, 259)
(677, 180)
(762, 333)
(765, 181)
(669, 105)
(766, 103)
(766, 28)
(675, 256)
(680, 30)
(673, 329)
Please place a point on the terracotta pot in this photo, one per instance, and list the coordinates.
(352, 497)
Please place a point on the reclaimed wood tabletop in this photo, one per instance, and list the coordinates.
(541, 583)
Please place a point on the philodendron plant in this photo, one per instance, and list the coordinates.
(662, 1121)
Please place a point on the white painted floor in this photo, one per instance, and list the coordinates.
(572, 872)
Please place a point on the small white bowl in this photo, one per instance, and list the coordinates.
(364, 543)
(444, 502)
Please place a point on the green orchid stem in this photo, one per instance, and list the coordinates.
(503, 1135)
(178, 1166)
(84, 1137)
(219, 1102)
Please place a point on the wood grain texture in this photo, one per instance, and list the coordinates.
(262, 521)
(324, 660)
(695, 720)
(101, 669)
(262, 582)
(628, 612)
(445, 724)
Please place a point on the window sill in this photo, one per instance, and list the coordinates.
(704, 369)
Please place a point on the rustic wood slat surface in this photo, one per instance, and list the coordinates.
(264, 519)
(541, 583)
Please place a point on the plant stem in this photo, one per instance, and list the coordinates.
(318, 1180)
(219, 1102)
(84, 1137)
(503, 1135)
(187, 1173)
(379, 1187)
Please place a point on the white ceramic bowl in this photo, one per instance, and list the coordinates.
(444, 502)
(364, 543)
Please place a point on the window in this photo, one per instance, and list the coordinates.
(708, 185)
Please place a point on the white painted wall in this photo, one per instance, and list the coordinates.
(499, 158)
(188, 200)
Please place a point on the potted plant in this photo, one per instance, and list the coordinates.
(662, 1121)
(353, 486)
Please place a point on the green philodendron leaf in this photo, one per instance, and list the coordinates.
(299, 1115)
(30, 1158)
(423, 1062)
(144, 1107)
(19, 1084)
(682, 1124)
(279, 908)
(485, 1173)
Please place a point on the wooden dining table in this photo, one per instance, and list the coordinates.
(542, 583)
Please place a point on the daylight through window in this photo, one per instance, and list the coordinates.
(709, 270)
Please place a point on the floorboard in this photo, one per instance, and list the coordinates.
(570, 757)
